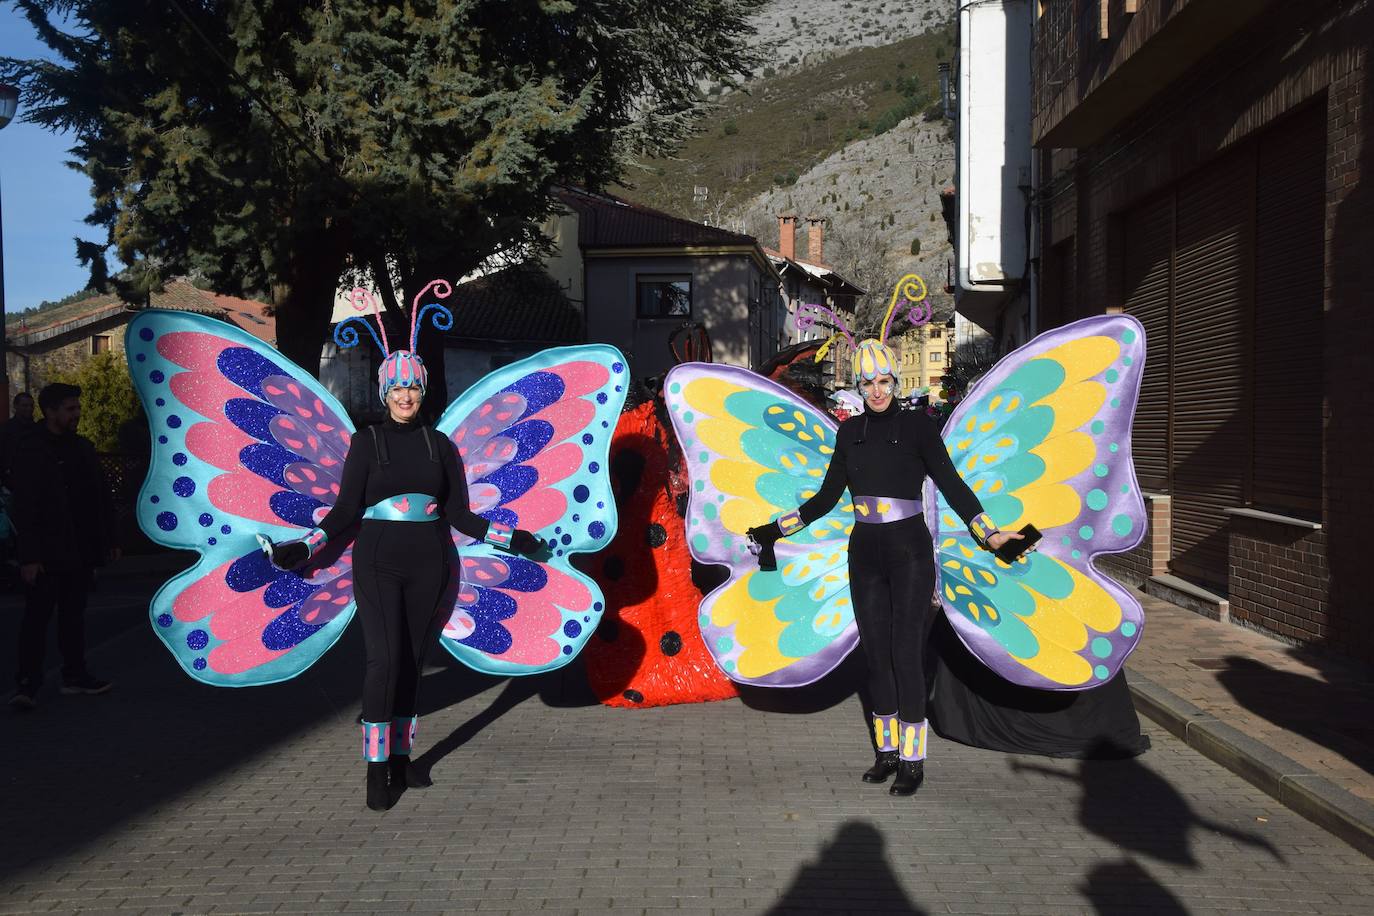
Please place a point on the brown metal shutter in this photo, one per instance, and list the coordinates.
(1211, 413)
(1148, 241)
(1289, 224)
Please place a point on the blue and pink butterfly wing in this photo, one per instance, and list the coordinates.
(754, 450)
(1045, 439)
(534, 438)
(244, 442)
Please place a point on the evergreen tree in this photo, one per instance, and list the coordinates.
(269, 145)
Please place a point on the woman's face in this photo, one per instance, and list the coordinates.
(877, 393)
(404, 403)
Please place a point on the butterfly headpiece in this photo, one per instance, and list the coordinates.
(400, 368)
(873, 357)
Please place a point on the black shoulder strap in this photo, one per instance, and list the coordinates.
(379, 446)
(429, 444)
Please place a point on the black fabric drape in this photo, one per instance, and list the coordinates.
(970, 704)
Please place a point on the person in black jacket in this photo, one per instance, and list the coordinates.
(63, 516)
(15, 428)
(407, 483)
(883, 456)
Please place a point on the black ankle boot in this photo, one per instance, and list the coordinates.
(910, 775)
(405, 773)
(378, 792)
(884, 765)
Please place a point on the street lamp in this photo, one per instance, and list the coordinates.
(9, 102)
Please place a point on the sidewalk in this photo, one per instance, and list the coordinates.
(1296, 723)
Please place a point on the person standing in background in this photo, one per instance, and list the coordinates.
(63, 514)
(15, 428)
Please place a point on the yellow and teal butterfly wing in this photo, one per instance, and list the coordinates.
(1045, 439)
(753, 451)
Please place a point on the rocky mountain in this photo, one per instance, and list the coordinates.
(844, 123)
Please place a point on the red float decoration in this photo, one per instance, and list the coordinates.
(648, 649)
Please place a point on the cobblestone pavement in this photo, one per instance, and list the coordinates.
(1315, 708)
(166, 796)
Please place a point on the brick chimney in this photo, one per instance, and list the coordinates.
(815, 240)
(787, 235)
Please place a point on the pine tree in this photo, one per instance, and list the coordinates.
(271, 145)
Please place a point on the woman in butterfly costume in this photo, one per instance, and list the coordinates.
(405, 482)
(883, 456)
(1044, 438)
(299, 520)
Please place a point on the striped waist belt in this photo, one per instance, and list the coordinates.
(408, 507)
(876, 510)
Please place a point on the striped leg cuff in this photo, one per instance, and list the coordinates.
(376, 741)
(790, 523)
(499, 535)
(982, 528)
(885, 732)
(403, 733)
(913, 740)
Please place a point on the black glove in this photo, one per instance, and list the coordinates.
(291, 555)
(765, 536)
(526, 544)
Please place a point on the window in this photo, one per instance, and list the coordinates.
(936, 333)
(936, 358)
(664, 296)
(100, 343)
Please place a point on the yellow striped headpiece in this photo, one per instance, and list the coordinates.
(872, 359)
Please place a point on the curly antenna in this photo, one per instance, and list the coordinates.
(910, 289)
(347, 337)
(362, 301)
(443, 290)
(825, 347)
(442, 321)
(808, 314)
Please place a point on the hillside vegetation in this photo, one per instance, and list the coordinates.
(777, 128)
(856, 139)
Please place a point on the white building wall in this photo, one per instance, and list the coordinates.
(993, 156)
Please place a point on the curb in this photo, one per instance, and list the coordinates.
(1315, 797)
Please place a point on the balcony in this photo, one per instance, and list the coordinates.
(1097, 62)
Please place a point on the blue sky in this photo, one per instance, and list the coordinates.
(44, 202)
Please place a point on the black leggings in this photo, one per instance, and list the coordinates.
(892, 580)
(401, 570)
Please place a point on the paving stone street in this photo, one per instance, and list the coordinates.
(166, 796)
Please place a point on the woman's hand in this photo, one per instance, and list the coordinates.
(1001, 537)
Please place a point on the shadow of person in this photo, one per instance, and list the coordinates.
(852, 873)
(516, 691)
(1124, 887)
(1137, 810)
(456, 682)
(1287, 699)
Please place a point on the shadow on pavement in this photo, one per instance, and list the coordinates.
(846, 681)
(1124, 887)
(1131, 806)
(851, 874)
(92, 766)
(1287, 699)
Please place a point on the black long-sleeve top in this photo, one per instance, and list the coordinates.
(870, 463)
(62, 510)
(409, 469)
